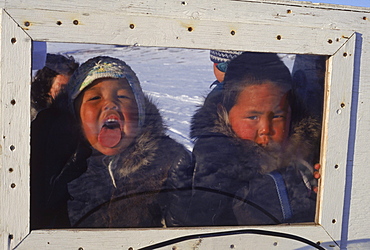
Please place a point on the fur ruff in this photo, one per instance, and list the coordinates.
(143, 149)
(301, 148)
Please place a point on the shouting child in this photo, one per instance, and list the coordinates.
(124, 160)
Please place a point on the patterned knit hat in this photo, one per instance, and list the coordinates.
(105, 67)
(220, 56)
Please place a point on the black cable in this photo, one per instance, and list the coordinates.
(228, 233)
(166, 190)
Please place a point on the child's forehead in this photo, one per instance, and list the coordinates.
(109, 83)
(266, 85)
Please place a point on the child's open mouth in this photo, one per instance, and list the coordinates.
(110, 133)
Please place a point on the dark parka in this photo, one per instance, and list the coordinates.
(236, 182)
(142, 194)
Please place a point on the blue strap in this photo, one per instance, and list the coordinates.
(283, 194)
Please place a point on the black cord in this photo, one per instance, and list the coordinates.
(228, 233)
(166, 190)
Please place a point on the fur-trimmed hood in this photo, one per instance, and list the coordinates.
(132, 179)
(302, 146)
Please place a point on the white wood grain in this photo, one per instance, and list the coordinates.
(124, 239)
(304, 28)
(340, 76)
(15, 61)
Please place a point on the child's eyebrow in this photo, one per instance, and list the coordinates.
(254, 112)
(91, 88)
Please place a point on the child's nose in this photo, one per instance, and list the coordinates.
(265, 126)
(110, 104)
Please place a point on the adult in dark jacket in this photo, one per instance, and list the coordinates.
(124, 182)
(254, 149)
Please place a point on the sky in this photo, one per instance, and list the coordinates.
(361, 3)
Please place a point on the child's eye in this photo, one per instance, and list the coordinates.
(253, 117)
(278, 116)
(94, 98)
(122, 97)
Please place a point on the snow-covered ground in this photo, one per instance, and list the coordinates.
(177, 79)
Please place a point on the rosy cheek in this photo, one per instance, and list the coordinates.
(245, 131)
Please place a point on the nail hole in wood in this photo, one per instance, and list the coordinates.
(12, 102)
(13, 40)
(59, 23)
(190, 29)
(278, 37)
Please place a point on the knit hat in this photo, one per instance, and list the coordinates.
(220, 56)
(105, 67)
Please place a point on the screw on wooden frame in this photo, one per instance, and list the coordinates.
(190, 29)
(75, 22)
(330, 41)
(132, 26)
(345, 54)
(364, 18)
(12, 147)
(12, 102)
(13, 40)
(11, 170)
(333, 221)
(184, 3)
(289, 11)
(26, 23)
(342, 105)
(59, 22)
(12, 185)
(232, 32)
(336, 166)
(278, 37)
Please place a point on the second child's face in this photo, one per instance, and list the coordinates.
(109, 115)
(261, 114)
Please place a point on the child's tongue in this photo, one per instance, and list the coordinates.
(109, 137)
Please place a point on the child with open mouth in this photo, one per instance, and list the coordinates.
(132, 161)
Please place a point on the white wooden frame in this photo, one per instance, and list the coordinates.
(268, 26)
